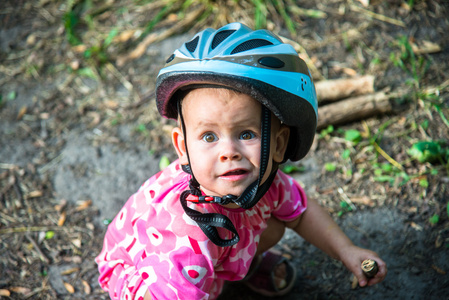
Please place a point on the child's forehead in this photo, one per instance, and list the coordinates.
(219, 97)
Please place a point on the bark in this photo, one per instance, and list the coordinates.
(352, 109)
(333, 90)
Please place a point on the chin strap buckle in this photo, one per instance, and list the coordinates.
(211, 199)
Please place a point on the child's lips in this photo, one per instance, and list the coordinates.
(234, 175)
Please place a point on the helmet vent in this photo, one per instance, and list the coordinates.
(220, 37)
(191, 46)
(251, 44)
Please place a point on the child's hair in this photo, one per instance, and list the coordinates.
(260, 65)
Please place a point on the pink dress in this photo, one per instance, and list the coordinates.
(153, 245)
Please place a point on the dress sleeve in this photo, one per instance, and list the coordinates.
(289, 198)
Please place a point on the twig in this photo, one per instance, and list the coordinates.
(387, 157)
(128, 85)
(346, 198)
(8, 166)
(52, 163)
(377, 16)
(369, 268)
(30, 229)
(36, 246)
(155, 37)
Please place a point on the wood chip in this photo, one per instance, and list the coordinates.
(354, 282)
(5, 293)
(34, 194)
(22, 111)
(69, 287)
(62, 204)
(19, 290)
(416, 226)
(364, 200)
(439, 270)
(87, 288)
(62, 218)
(82, 205)
(70, 271)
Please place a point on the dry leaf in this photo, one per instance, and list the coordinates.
(438, 241)
(111, 104)
(354, 282)
(79, 48)
(87, 289)
(22, 111)
(20, 290)
(172, 17)
(82, 205)
(425, 48)
(76, 243)
(59, 207)
(5, 293)
(35, 194)
(125, 36)
(365, 3)
(95, 118)
(349, 71)
(364, 200)
(416, 226)
(439, 270)
(62, 218)
(70, 271)
(69, 287)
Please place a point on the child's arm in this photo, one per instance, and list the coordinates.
(317, 227)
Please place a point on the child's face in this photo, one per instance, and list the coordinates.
(224, 140)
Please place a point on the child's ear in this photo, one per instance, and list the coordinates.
(179, 144)
(281, 143)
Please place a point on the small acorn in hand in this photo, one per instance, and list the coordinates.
(369, 268)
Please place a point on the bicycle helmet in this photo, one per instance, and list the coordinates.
(256, 63)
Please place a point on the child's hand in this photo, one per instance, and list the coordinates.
(352, 257)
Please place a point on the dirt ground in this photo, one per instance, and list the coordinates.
(75, 144)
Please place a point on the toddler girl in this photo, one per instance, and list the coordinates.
(245, 103)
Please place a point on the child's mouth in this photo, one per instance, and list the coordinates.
(235, 175)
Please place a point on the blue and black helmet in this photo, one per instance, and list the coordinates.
(256, 63)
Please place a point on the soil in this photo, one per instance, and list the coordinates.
(73, 148)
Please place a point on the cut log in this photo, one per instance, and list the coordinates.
(352, 109)
(333, 90)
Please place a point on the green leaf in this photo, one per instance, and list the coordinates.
(164, 162)
(425, 151)
(330, 167)
(384, 178)
(87, 72)
(110, 37)
(424, 183)
(346, 154)
(386, 167)
(49, 234)
(447, 209)
(434, 219)
(353, 135)
(11, 96)
(288, 169)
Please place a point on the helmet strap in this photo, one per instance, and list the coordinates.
(208, 222)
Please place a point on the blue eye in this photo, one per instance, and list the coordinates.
(209, 137)
(247, 135)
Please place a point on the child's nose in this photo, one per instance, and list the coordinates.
(230, 152)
